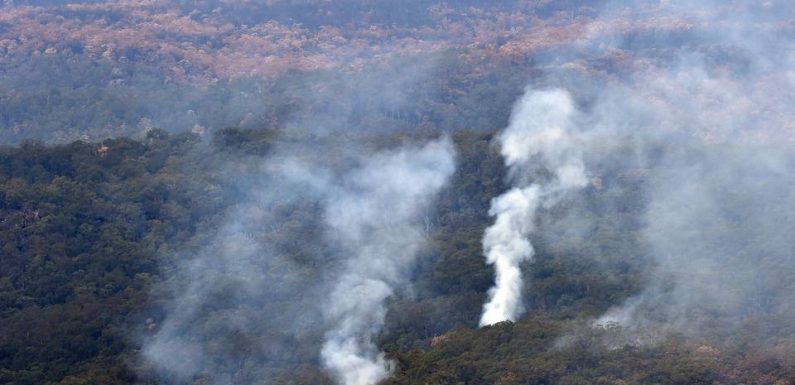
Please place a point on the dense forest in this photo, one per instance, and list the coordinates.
(217, 192)
(90, 70)
(88, 227)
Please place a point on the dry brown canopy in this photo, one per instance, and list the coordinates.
(209, 41)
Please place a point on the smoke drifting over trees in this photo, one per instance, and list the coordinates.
(714, 146)
(365, 229)
(322, 194)
(371, 226)
(376, 218)
(539, 136)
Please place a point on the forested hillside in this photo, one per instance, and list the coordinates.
(310, 192)
(91, 69)
(87, 228)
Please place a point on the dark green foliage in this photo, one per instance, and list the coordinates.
(81, 227)
(87, 230)
(59, 99)
(244, 140)
(531, 352)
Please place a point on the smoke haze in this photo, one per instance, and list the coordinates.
(709, 133)
(540, 135)
(352, 192)
(372, 231)
(251, 303)
(376, 218)
(705, 132)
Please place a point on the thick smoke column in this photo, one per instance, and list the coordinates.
(541, 133)
(375, 217)
(244, 286)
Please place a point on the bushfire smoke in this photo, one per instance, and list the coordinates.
(541, 134)
(711, 134)
(375, 218)
(371, 230)
(324, 229)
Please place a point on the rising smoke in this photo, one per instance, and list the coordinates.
(375, 216)
(371, 229)
(705, 128)
(710, 133)
(241, 307)
(718, 206)
(541, 133)
(707, 131)
(325, 229)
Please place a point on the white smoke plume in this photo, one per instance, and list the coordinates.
(541, 133)
(375, 216)
(372, 233)
(715, 134)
